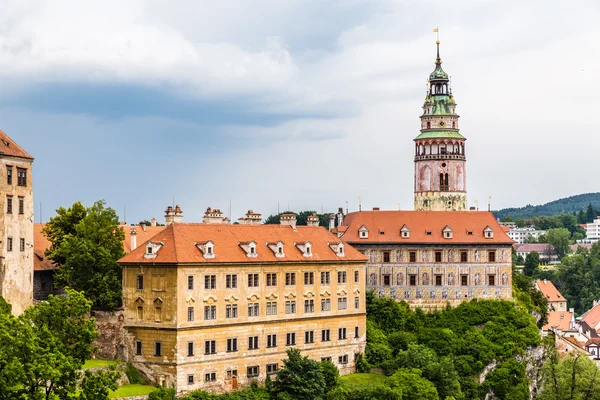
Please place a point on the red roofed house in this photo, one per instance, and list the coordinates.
(592, 316)
(213, 306)
(16, 225)
(556, 301)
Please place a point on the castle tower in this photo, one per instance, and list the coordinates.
(440, 163)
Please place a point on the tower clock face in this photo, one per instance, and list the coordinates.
(441, 124)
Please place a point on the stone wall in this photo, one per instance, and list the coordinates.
(110, 340)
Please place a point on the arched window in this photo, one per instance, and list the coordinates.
(453, 125)
(428, 125)
(443, 182)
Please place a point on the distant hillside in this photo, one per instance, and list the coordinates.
(566, 205)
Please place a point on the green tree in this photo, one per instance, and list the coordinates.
(507, 381)
(300, 378)
(574, 377)
(164, 394)
(532, 263)
(590, 214)
(331, 374)
(88, 252)
(412, 385)
(96, 386)
(520, 222)
(560, 238)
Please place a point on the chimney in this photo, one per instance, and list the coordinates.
(178, 218)
(331, 222)
(169, 215)
(153, 221)
(133, 236)
(288, 220)
(312, 220)
(375, 208)
(340, 216)
(471, 208)
(143, 225)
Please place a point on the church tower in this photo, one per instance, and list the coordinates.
(440, 163)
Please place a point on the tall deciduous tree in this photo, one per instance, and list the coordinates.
(300, 378)
(532, 263)
(574, 377)
(560, 238)
(86, 245)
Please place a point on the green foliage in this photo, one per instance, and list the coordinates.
(300, 378)
(567, 205)
(560, 238)
(412, 385)
(507, 381)
(361, 364)
(532, 263)
(331, 374)
(301, 218)
(529, 299)
(163, 394)
(87, 243)
(96, 386)
(574, 377)
(255, 392)
(133, 375)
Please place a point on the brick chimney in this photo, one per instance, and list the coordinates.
(288, 219)
(312, 220)
(178, 215)
(143, 226)
(331, 222)
(169, 215)
(133, 236)
(153, 221)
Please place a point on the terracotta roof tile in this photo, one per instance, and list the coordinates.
(384, 227)
(537, 247)
(40, 244)
(592, 317)
(549, 290)
(559, 319)
(141, 235)
(9, 147)
(179, 246)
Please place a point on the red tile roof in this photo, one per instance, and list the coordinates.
(549, 290)
(179, 244)
(384, 227)
(40, 244)
(141, 235)
(592, 317)
(537, 247)
(558, 319)
(9, 147)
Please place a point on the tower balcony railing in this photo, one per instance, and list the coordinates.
(447, 156)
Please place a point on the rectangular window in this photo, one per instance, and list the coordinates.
(140, 282)
(387, 280)
(190, 282)
(9, 244)
(386, 256)
(231, 311)
(356, 335)
(210, 312)
(140, 313)
(21, 205)
(341, 277)
(491, 256)
(464, 256)
(290, 279)
(190, 379)
(491, 280)
(231, 281)
(272, 369)
(309, 306)
(157, 349)
(271, 341)
(341, 333)
(271, 308)
(9, 174)
(325, 358)
(309, 337)
(343, 359)
(190, 349)
(210, 282)
(210, 347)
(290, 339)
(464, 280)
(9, 204)
(253, 309)
(232, 345)
(252, 280)
(356, 303)
(253, 372)
(21, 244)
(157, 314)
(412, 280)
(356, 276)
(21, 177)
(272, 279)
(210, 377)
(342, 303)
(325, 277)
(290, 307)
(325, 304)
(253, 343)
(438, 280)
(325, 335)
(309, 278)
(190, 314)
(138, 348)
(412, 256)
(438, 256)
(230, 373)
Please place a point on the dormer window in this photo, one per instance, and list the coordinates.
(207, 248)
(280, 250)
(149, 250)
(338, 248)
(152, 249)
(363, 232)
(447, 232)
(249, 248)
(405, 232)
(488, 232)
(276, 248)
(305, 248)
(252, 250)
(428, 233)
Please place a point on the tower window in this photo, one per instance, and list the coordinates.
(428, 125)
(444, 187)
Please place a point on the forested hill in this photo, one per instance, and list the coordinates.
(566, 205)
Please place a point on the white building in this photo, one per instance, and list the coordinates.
(520, 234)
(593, 231)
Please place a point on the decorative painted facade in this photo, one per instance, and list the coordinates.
(440, 163)
(431, 258)
(216, 306)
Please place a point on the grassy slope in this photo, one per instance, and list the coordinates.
(132, 390)
(362, 380)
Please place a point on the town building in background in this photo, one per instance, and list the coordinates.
(213, 306)
(16, 224)
(593, 231)
(545, 251)
(523, 235)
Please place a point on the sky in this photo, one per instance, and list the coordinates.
(298, 104)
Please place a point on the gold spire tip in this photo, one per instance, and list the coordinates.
(437, 42)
